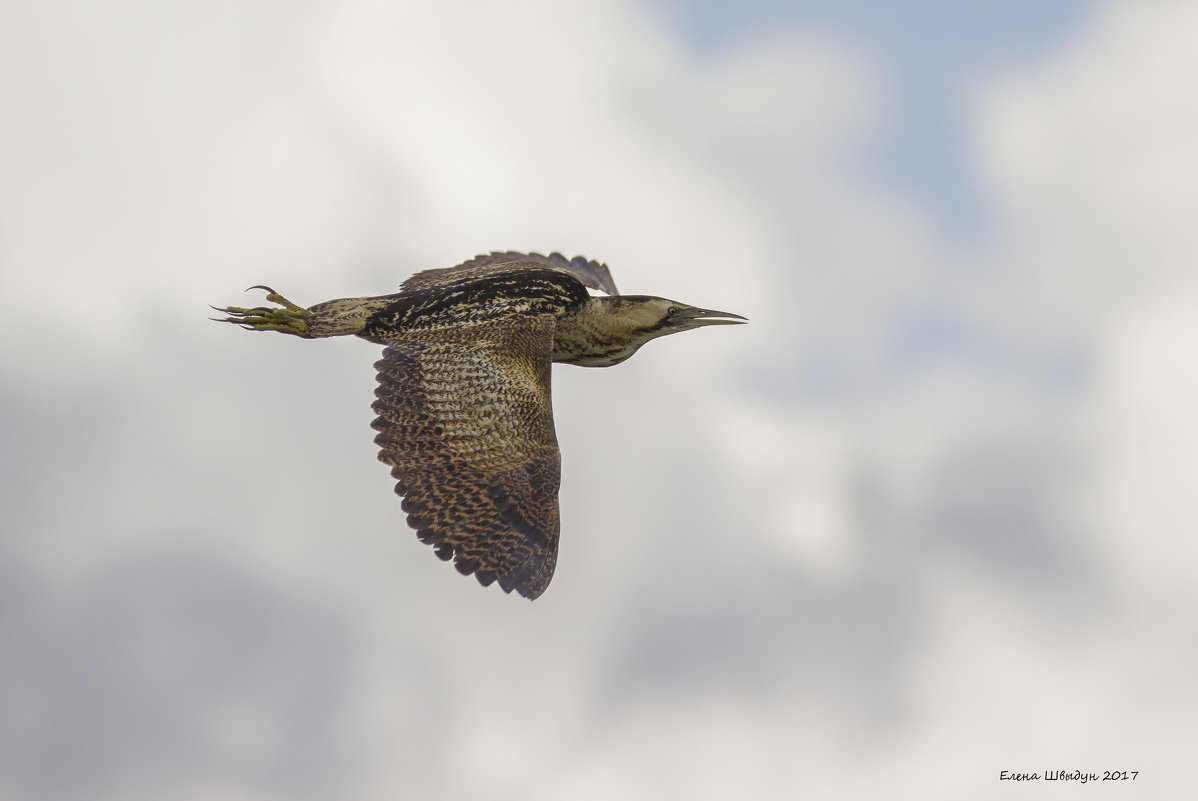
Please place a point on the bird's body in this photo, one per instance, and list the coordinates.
(463, 402)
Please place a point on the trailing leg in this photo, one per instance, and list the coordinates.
(333, 318)
(288, 318)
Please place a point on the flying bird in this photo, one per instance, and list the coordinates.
(463, 402)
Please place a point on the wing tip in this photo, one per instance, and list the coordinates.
(526, 580)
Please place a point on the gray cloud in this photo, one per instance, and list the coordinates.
(166, 670)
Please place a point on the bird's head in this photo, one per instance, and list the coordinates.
(617, 326)
(660, 316)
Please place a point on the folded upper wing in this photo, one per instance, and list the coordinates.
(591, 273)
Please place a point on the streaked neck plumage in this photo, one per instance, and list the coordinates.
(606, 330)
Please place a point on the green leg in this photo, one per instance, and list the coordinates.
(288, 318)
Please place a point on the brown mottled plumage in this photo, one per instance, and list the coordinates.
(463, 401)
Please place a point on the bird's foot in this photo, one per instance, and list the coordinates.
(288, 318)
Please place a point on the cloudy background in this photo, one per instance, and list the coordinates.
(929, 517)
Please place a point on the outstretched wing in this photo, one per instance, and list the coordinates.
(591, 273)
(466, 423)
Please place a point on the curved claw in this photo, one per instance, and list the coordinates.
(289, 319)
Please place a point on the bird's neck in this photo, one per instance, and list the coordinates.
(598, 333)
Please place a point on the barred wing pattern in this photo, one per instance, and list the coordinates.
(466, 423)
(591, 273)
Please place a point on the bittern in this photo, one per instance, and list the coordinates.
(464, 414)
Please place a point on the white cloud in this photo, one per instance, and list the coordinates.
(1149, 451)
(1090, 157)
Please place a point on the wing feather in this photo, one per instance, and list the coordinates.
(466, 423)
(591, 273)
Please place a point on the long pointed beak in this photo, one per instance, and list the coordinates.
(693, 318)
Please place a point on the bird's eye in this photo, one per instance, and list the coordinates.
(673, 310)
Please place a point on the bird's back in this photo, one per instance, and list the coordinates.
(493, 292)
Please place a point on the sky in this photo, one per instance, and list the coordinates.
(925, 519)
